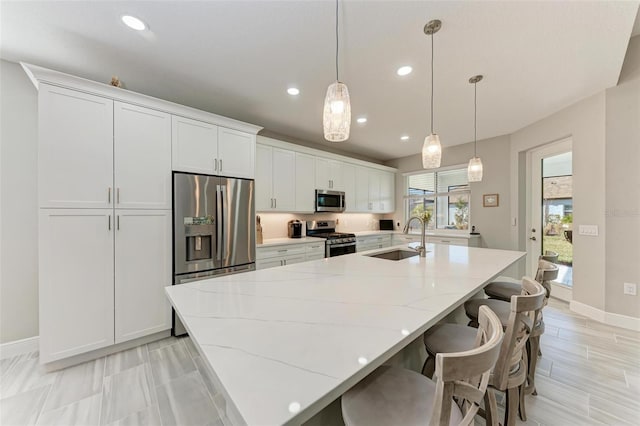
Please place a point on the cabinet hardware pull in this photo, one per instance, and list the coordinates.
(109, 196)
(117, 195)
(109, 227)
(221, 165)
(215, 164)
(118, 222)
(275, 203)
(282, 251)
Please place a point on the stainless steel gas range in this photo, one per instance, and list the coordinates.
(337, 243)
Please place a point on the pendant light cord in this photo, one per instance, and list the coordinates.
(431, 83)
(475, 119)
(337, 44)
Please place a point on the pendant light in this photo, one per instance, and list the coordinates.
(474, 171)
(431, 150)
(336, 117)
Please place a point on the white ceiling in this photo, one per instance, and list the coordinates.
(237, 58)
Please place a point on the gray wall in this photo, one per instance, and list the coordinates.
(491, 222)
(19, 217)
(622, 159)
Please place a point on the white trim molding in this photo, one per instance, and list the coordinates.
(610, 318)
(19, 347)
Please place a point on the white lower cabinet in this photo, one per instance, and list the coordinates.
(372, 242)
(288, 254)
(142, 270)
(398, 239)
(455, 241)
(102, 278)
(76, 281)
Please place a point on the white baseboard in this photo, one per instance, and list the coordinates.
(617, 320)
(19, 347)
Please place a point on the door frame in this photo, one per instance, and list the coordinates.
(534, 210)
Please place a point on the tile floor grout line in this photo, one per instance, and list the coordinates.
(44, 404)
(104, 372)
(153, 385)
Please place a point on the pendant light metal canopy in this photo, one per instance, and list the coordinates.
(474, 170)
(432, 150)
(336, 116)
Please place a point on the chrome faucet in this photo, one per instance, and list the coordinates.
(422, 247)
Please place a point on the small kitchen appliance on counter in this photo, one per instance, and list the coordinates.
(295, 229)
(386, 224)
(337, 243)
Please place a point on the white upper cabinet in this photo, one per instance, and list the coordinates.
(329, 174)
(200, 147)
(75, 149)
(142, 271)
(75, 281)
(349, 187)
(374, 191)
(362, 189)
(305, 183)
(275, 179)
(387, 192)
(236, 153)
(194, 146)
(142, 158)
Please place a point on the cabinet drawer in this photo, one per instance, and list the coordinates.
(279, 251)
(405, 239)
(314, 250)
(448, 240)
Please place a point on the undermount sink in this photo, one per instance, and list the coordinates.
(394, 254)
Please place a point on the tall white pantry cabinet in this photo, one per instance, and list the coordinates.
(105, 221)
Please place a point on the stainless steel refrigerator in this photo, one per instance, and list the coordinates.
(214, 228)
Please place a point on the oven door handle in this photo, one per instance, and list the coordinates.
(341, 245)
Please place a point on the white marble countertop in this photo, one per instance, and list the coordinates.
(428, 234)
(285, 241)
(285, 342)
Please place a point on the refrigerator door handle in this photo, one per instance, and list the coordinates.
(223, 218)
(219, 210)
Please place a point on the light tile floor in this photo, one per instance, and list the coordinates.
(589, 373)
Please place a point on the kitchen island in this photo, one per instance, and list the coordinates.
(283, 343)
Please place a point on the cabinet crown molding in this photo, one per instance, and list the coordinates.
(39, 75)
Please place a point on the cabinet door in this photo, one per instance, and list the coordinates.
(387, 192)
(374, 190)
(323, 174)
(305, 183)
(264, 172)
(76, 281)
(362, 189)
(283, 179)
(142, 271)
(142, 157)
(236, 153)
(349, 187)
(269, 263)
(290, 260)
(75, 149)
(194, 146)
(335, 171)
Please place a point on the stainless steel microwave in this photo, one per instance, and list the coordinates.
(329, 201)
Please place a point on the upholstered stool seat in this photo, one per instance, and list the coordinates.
(500, 307)
(393, 396)
(503, 290)
(449, 338)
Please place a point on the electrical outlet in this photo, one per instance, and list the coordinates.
(631, 289)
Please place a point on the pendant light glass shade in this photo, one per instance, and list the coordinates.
(431, 152)
(474, 170)
(336, 117)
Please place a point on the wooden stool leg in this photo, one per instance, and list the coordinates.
(429, 366)
(511, 408)
(521, 407)
(534, 343)
(490, 408)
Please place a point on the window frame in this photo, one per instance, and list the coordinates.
(434, 196)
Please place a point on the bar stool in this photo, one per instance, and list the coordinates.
(396, 396)
(510, 372)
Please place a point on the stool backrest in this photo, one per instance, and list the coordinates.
(525, 309)
(465, 375)
(547, 272)
(550, 256)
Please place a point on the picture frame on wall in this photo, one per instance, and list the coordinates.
(490, 200)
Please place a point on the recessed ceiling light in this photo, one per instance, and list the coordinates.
(361, 120)
(293, 91)
(404, 70)
(404, 138)
(133, 23)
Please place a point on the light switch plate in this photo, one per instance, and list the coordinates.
(631, 289)
(590, 230)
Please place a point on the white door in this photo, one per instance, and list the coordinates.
(305, 183)
(550, 208)
(194, 146)
(76, 281)
(362, 189)
(142, 271)
(236, 153)
(387, 192)
(75, 149)
(284, 174)
(142, 157)
(374, 190)
(349, 186)
(264, 174)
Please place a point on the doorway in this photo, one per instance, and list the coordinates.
(550, 221)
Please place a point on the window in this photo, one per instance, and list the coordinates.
(444, 195)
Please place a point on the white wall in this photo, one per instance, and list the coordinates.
(19, 216)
